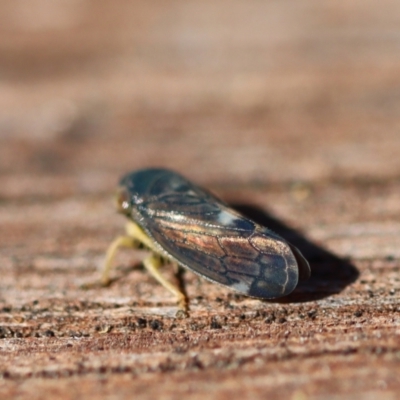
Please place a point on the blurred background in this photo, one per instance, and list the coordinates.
(228, 92)
(289, 109)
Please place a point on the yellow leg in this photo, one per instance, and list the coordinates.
(121, 241)
(153, 264)
(136, 232)
(134, 237)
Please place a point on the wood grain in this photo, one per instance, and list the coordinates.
(287, 110)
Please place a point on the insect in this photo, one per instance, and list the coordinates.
(180, 222)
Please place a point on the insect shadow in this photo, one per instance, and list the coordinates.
(330, 274)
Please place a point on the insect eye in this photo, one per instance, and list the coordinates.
(123, 202)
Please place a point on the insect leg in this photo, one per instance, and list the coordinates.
(134, 238)
(135, 231)
(153, 264)
(120, 241)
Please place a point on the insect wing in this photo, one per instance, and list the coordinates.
(202, 234)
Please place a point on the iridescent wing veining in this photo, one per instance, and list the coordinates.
(201, 233)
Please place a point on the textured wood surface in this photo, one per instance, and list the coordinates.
(287, 110)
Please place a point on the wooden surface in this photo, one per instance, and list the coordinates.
(287, 110)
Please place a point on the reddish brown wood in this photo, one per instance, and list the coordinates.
(287, 110)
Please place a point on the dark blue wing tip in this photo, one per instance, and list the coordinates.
(270, 290)
(276, 281)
